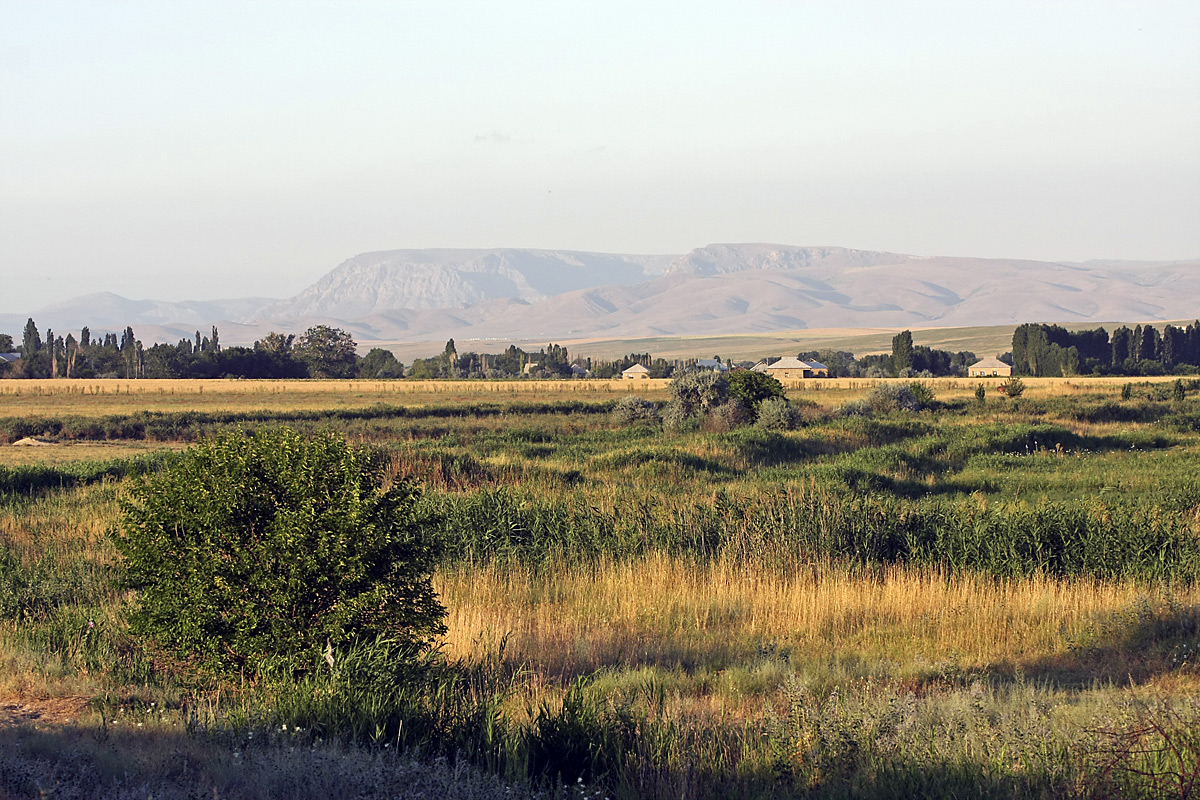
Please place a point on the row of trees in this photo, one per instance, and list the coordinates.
(1051, 350)
(320, 352)
(326, 352)
(68, 356)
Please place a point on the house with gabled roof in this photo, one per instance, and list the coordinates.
(989, 368)
(792, 368)
(636, 372)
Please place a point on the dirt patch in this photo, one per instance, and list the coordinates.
(47, 711)
(29, 441)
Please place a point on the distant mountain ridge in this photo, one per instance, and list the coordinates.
(510, 293)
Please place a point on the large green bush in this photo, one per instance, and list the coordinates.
(752, 388)
(250, 549)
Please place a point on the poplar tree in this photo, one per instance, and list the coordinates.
(31, 342)
(902, 352)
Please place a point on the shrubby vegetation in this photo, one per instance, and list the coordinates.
(777, 414)
(247, 551)
(888, 397)
(633, 409)
(716, 402)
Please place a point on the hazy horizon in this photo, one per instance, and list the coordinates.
(190, 151)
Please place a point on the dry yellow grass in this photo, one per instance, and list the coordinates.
(664, 612)
(102, 397)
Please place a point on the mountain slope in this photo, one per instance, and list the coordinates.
(422, 279)
(411, 295)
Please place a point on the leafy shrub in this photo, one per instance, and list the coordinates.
(676, 417)
(888, 397)
(980, 394)
(922, 394)
(251, 549)
(893, 397)
(697, 393)
(752, 388)
(725, 417)
(1013, 387)
(855, 408)
(632, 409)
(777, 414)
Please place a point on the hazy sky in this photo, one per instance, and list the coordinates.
(196, 150)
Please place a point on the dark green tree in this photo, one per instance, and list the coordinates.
(1121, 350)
(902, 352)
(327, 352)
(255, 549)
(1148, 350)
(1135, 344)
(6, 343)
(1174, 345)
(751, 388)
(276, 343)
(31, 342)
(380, 364)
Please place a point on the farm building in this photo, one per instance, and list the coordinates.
(989, 368)
(636, 372)
(8, 358)
(797, 368)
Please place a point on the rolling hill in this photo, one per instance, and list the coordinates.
(417, 295)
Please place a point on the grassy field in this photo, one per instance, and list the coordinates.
(750, 346)
(993, 599)
(981, 340)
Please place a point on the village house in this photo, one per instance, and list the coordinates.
(791, 368)
(989, 368)
(636, 372)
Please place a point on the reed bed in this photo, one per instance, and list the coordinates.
(895, 623)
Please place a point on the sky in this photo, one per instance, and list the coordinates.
(201, 150)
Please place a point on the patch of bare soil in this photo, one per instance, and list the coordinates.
(44, 711)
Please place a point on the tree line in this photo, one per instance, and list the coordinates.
(1050, 350)
(327, 352)
(319, 352)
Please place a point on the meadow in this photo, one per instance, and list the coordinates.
(986, 599)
